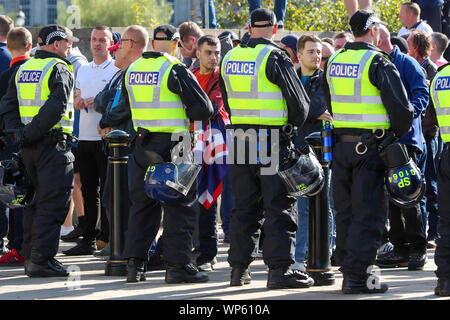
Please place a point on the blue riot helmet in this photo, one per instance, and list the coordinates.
(169, 182)
(15, 189)
(404, 182)
(303, 175)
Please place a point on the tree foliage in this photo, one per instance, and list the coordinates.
(118, 13)
(306, 15)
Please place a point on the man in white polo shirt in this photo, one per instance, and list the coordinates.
(92, 159)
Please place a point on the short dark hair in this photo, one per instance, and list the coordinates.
(328, 40)
(422, 41)
(209, 39)
(305, 38)
(440, 40)
(6, 24)
(19, 39)
(344, 34)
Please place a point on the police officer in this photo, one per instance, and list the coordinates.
(440, 93)
(364, 92)
(161, 96)
(38, 106)
(262, 93)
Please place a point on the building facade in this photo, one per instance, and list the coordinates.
(37, 12)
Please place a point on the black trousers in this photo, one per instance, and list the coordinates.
(407, 232)
(261, 200)
(92, 163)
(145, 213)
(360, 204)
(51, 174)
(442, 253)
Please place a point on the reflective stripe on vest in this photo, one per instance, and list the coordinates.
(356, 103)
(252, 98)
(440, 94)
(33, 91)
(153, 106)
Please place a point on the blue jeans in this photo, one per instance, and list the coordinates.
(421, 164)
(280, 7)
(301, 237)
(431, 180)
(226, 204)
(212, 14)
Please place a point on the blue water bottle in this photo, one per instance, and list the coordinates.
(327, 141)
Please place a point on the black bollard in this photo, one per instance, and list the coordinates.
(318, 265)
(118, 160)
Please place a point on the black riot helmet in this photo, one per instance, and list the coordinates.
(15, 189)
(303, 175)
(404, 182)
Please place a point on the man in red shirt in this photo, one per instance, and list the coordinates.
(211, 175)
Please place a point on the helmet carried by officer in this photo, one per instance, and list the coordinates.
(15, 189)
(404, 182)
(302, 173)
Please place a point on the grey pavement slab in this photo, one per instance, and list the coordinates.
(90, 283)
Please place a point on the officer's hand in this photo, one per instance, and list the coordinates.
(105, 131)
(325, 116)
(89, 102)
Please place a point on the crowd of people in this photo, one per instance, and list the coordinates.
(51, 92)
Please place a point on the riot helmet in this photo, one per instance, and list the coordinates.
(303, 175)
(404, 182)
(169, 182)
(15, 189)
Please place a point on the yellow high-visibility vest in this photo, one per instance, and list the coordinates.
(252, 98)
(440, 93)
(355, 101)
(153, 106)
(33, 91)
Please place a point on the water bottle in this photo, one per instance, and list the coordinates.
(327, 141)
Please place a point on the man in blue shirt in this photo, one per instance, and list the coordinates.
(6, 24)
(408, 237)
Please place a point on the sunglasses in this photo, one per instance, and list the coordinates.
(122, 40)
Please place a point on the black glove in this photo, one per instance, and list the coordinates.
(14, 137)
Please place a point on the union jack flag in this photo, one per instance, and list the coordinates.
(211, 151)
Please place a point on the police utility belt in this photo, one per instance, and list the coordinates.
(61, 138)
(364, 141)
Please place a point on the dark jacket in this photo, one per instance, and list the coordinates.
(414, 81)
(181, 81)
(281, 72)
(5, 153)
(60, 84)
(5, 57)
(317, 105)
(429, 119)
(384, 76)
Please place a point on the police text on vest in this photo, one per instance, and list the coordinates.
(344, 70)
(442, 83)
(242, 68)
(27, 76)
(143, 78)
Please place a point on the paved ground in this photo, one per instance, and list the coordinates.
(92, 284)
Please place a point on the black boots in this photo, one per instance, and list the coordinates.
(283, 278)
(354, 284)
(178, 273)
(40, 266)
(136, 269)
(443, 287)
(240, 276)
